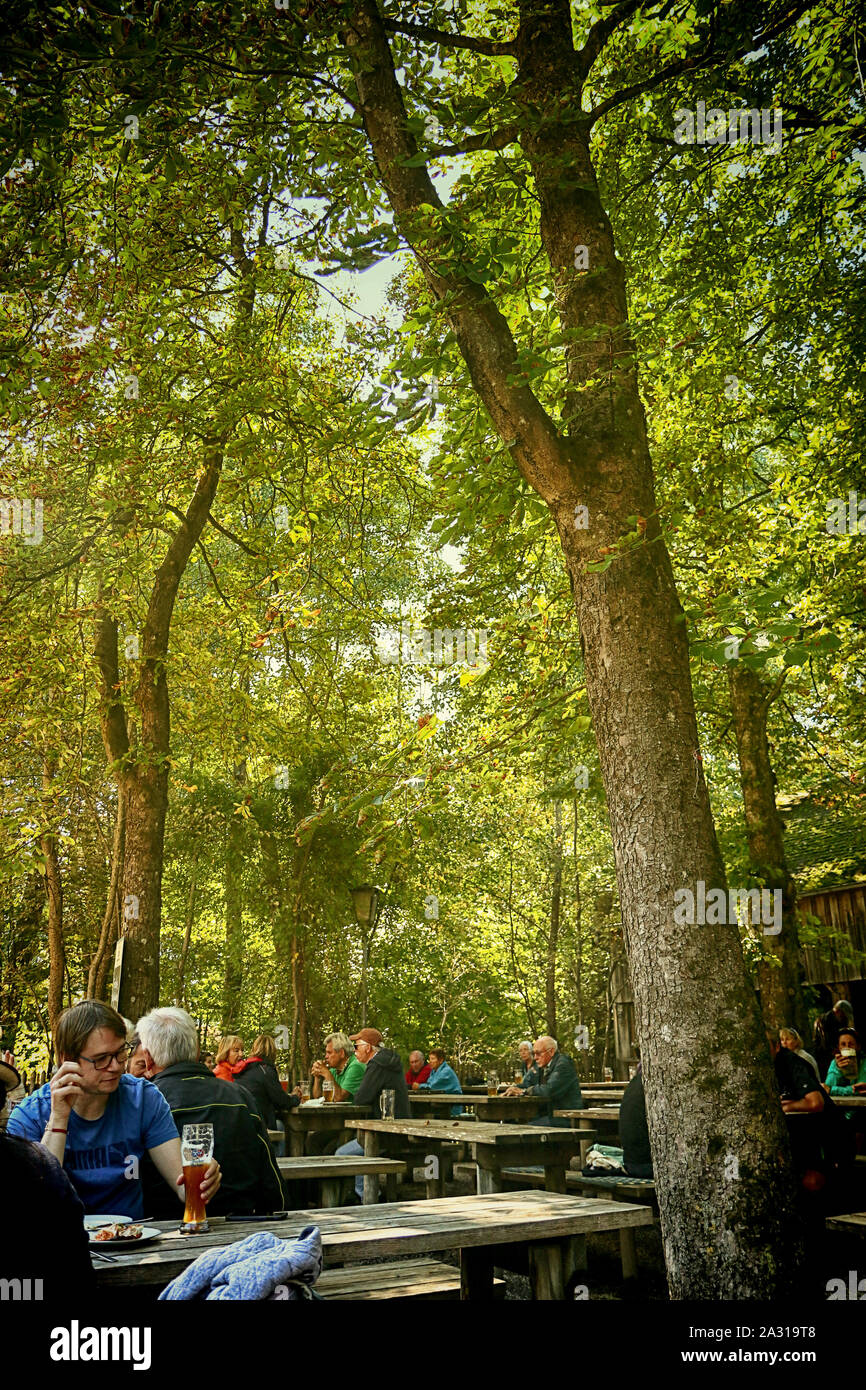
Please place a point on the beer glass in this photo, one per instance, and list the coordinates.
(492, 1083)
(196, 1149)
(305, 1091)
(328, 1089)
(518, 1076)
(608, 1074)
(386, 1105)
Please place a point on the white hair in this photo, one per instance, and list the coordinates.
(341, 1042)
(169, 1035)
(525, 1043)
(548, 1043)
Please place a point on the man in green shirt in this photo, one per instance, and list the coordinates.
(340, 1063)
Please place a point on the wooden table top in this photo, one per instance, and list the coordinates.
(337, 1165)
(453, 1098)
(849, 1102)
(388, 1229)
(340, 1109)
(590, 1112)
(852, 1222)
(476, 1132)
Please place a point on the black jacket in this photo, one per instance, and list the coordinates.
(261, 1080)
(637, 1156)
(43, 1236)
(384, 1073)
(250, 1176)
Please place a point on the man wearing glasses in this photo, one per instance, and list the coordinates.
(98, 1121)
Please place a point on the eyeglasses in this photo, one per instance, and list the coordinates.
(105, 1059)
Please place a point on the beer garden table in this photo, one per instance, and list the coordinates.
(490, 1108)
(544, 1230)
(584, 1121)
(493, 1146)
(312, 1119)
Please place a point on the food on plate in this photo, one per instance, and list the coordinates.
(118, 1231)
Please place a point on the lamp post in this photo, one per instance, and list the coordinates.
(366, 902)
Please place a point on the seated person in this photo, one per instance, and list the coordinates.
(341, 1065)
(43, 1227)
(442, 1078)
(383, 1072)
(99, 1122)
(230, 1051)
(637, 1156)
(818, 1146)
(527, 1065)
(418, 1072)
(258, 1074)
(791, 1039)
(557, 1083)
(250, 1176)
(846, 1075)
(136, 1065)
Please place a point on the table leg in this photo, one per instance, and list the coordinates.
(332, 1192)
(554, 1179)
(435, 1187)
(488, 1180)
(585, 1144)
(296, 1143)
(546, 1272)
(628, 1252)
(371, 1180)
(573, 1262)
(476, 1275)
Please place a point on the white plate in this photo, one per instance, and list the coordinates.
(147, 1233)
(91, 1221)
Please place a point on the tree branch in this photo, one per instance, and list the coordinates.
(446, 39)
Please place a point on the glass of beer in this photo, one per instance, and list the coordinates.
(492, 1083)
(386, 1105)
(518, 1076)
(196, 1148)
(305, 1091)
(328, 1088)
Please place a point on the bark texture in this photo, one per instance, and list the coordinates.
(713, 1105)
(54, 894)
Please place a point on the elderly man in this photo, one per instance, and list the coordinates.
(250, 1177)
(384, 1072)
(418, 1072)
(341, 1064)
(555, 1080)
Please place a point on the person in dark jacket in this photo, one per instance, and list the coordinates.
(258, 1074)
(637, 1159)
(384, 1072)
(43, 1237)
(557, 1083)
(250, 1176)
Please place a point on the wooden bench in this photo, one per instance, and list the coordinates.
(422, 1279)
(331, 1170)
(617, 1189)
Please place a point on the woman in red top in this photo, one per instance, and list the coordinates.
(229, 1053)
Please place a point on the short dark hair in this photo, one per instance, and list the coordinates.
(75, 1025)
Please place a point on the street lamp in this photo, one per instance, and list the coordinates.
(365, 900)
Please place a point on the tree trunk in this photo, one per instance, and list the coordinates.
(234, 927)
(110, 929)
(54, 893)
(553, 934)
(187, 934)
(285, 923)
(781, 985)
(712, 1099)
(141, 766)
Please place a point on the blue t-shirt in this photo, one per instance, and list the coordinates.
(103, 1156)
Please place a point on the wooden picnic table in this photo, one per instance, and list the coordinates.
(492, 1108)
(852, 1223)
(849, 1102)
(539, 1233)
(583, 1122)
(493, 1147)
(331, 1170)
(312, 1119)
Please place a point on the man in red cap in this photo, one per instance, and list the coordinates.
(384, 1072)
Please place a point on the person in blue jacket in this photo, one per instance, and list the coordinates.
(441, 1078)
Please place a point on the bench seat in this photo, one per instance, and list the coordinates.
(421, 1279)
